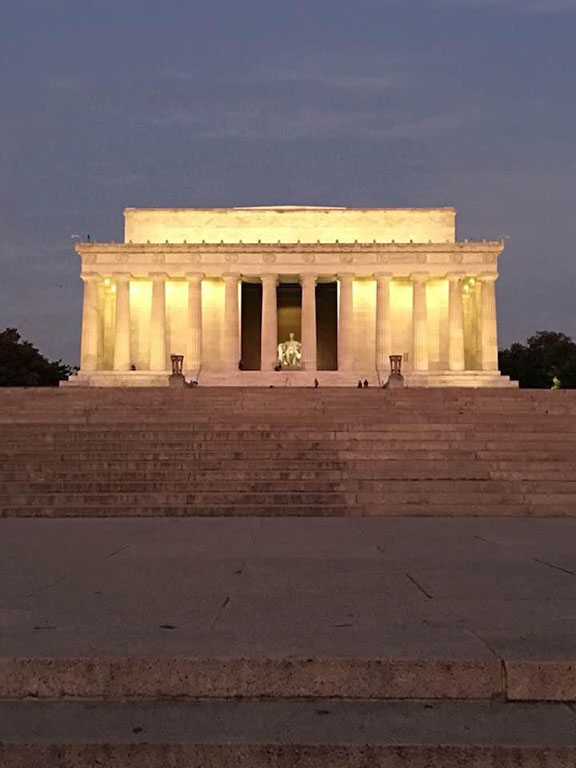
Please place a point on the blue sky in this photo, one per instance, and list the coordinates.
(104, 105)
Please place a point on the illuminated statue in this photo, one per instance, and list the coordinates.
(289, 353)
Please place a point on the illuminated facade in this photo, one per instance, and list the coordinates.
(225, 287)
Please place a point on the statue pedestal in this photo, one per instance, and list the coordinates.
(176, 381)
(395, 381)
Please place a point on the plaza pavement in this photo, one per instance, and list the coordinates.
(220, 643)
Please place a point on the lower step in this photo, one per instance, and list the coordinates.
(286, 733)
(471, 509)
(123, 678)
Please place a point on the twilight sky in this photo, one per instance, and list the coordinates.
(112, 103)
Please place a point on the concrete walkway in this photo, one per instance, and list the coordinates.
(386, 608)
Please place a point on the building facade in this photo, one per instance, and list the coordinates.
(227, 288)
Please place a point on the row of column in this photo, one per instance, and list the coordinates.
(269, 340)
(90, 341)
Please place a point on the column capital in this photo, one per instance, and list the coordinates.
(194, 276)
(487, 277)
(308, 277)
(122, 277)
(230, 277)
(158, 277)
(91, 277)
(345, 276)
(455, 277)
(419, 277)
(268, 277)
(384, 276)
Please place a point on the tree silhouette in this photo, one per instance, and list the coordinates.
(22, 365)
(545, 355)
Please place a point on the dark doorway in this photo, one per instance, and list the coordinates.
(251, 321)
(289, 311)
(327, 326)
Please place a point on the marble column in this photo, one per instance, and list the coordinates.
(346, 323)
(231, 350)
(419, 322)
(158, 322)
(269, 329)
(89, 345)
(193, 356)
(455, 324)
(122, 324)
(383, 322)
(309, 341)
(488, 325)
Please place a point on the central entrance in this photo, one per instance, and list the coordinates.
(289, 315)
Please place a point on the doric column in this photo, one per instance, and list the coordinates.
(158, 322)
(90, 324)
(269, 330)
(455, 324)
(193, 356)
(231, 322)
(309, 344)
(346, 323)
(419, 322)
(122, 326)
(383, 322)
(489, 325)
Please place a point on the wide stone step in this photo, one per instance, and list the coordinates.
(286, 733)
(95, 481)
(279, 734)
(472, 508)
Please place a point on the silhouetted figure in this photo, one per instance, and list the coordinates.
(132, 367)
(240, 366)
(278, 367)
(366, 383)
(359, 385)
(316, 383)
(87, 238)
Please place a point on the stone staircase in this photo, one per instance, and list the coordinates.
(242, 636)
(305, 452)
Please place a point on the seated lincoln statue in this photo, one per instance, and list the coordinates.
(289, 353)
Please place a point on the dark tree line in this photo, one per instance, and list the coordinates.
(545, 356)
(22, 365)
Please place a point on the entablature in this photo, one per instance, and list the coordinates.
(364, 259)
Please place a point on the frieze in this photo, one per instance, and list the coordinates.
(159, 258)
(121, 258)
(231, 258)
(346, 258)
(89, 258)
(456, 258)
(309, 258)
(269, 258)
(489, 258)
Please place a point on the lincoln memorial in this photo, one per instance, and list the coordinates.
(285, 295)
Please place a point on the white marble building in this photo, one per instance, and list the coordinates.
(223, 287)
